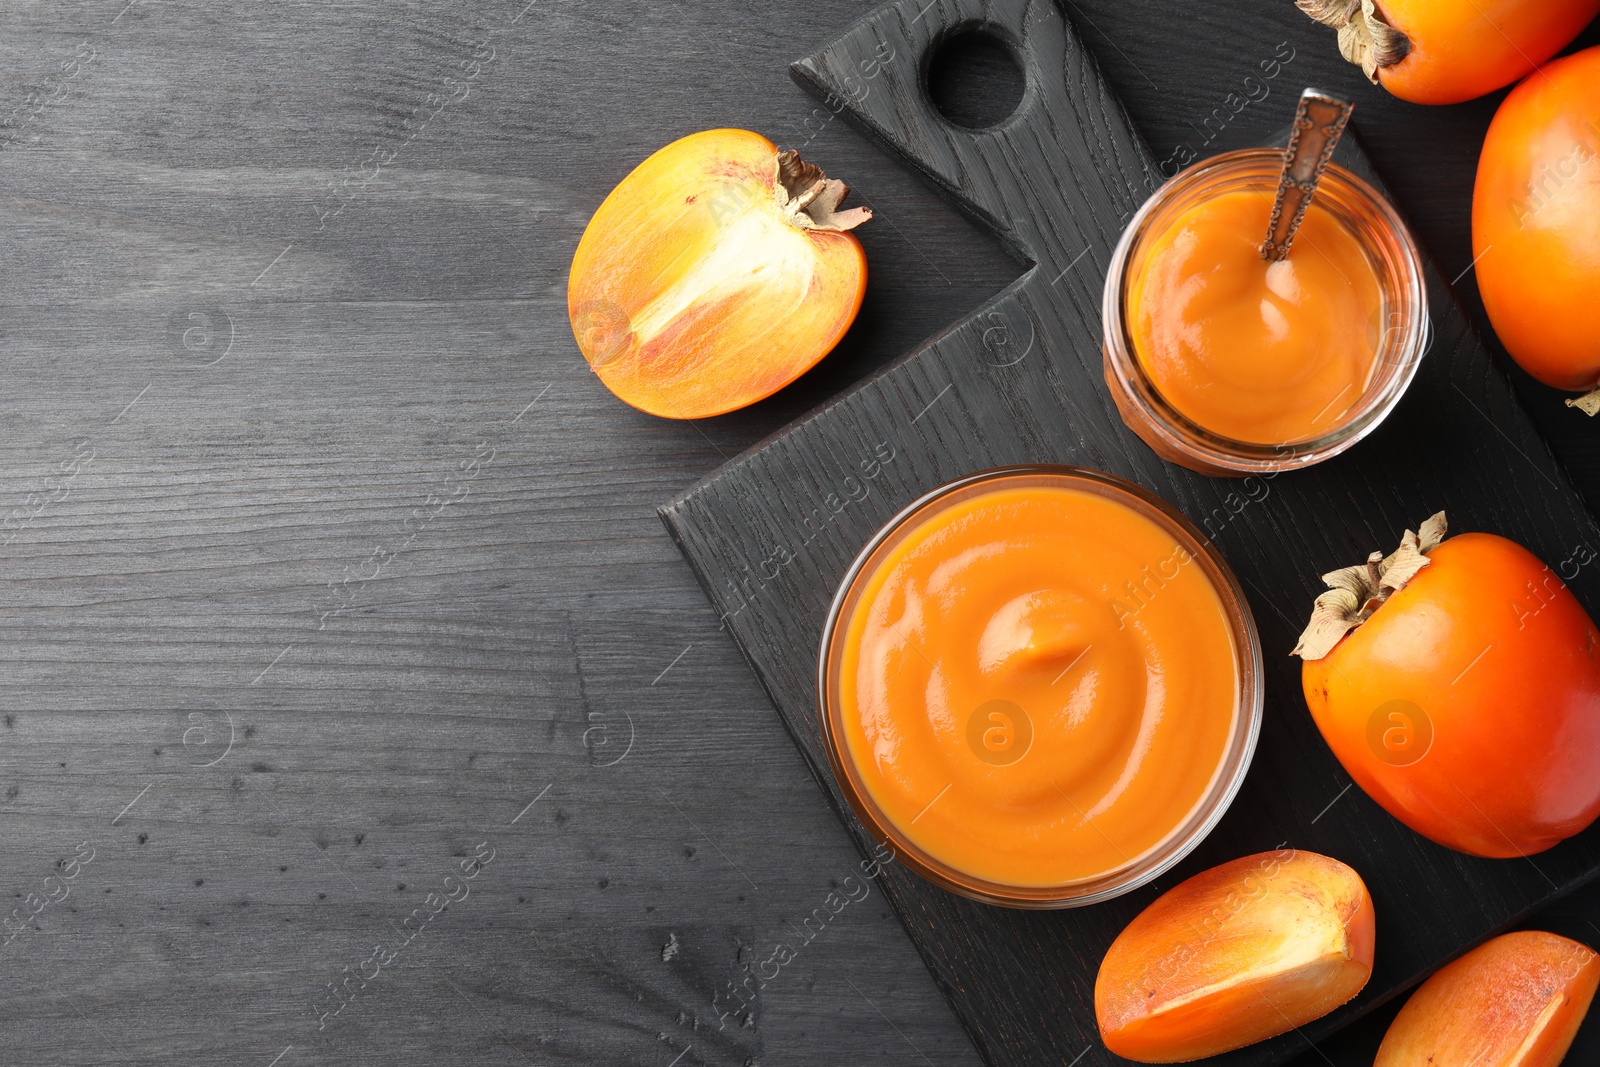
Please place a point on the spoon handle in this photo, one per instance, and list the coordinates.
(1319, 122)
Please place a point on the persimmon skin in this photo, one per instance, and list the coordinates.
(1460, 51)
(690, 295)
(1235, 955)
(1536, 222)
(1489, 653)
(1514, 1001)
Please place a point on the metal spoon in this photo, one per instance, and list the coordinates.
(1319, 122)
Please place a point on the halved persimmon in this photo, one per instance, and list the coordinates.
(715, 274)
(1515, 1001)
(1447, 51)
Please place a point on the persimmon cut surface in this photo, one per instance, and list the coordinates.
(715, 274)
(1038, 685)
(1464, 693)
(1447, 51)
(1235, 955)
(1536, 223)
(1515, 1001)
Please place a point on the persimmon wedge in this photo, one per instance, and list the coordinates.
(715, 274)
(1235, 955)
(1447, 51)
(1515, 1001)
(1458, 682)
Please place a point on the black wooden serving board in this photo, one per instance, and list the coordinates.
(771, 533)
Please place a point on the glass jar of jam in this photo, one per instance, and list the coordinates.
(1232, 365)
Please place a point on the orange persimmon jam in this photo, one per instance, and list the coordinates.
(1040, 685)
(1251, 350)
(1233, 366)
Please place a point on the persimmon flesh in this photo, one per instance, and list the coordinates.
(715, 274)
(1466, 701)
(1235, 955)
(1536, 224)
(1515, 1001)
(1448, 51)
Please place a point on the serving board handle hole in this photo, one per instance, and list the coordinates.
(976, 77)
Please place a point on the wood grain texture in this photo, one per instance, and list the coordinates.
(1020, 381)
(166, 179)
(225, 419)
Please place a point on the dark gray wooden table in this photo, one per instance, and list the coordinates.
(357, 708)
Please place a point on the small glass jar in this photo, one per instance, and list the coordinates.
(1404, 337)
(1188, 829)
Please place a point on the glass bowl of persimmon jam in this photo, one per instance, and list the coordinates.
(1231, 365)
(1039, 686)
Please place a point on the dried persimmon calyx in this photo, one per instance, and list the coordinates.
(1354, 593)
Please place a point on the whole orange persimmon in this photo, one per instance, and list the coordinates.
(1514, 1001)
(715, 274)
(1458, 682)
(1536, 224)
(1447, 51)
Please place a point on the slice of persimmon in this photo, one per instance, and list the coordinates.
(1235, 955)
(1514, 1001)
(715, 274)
